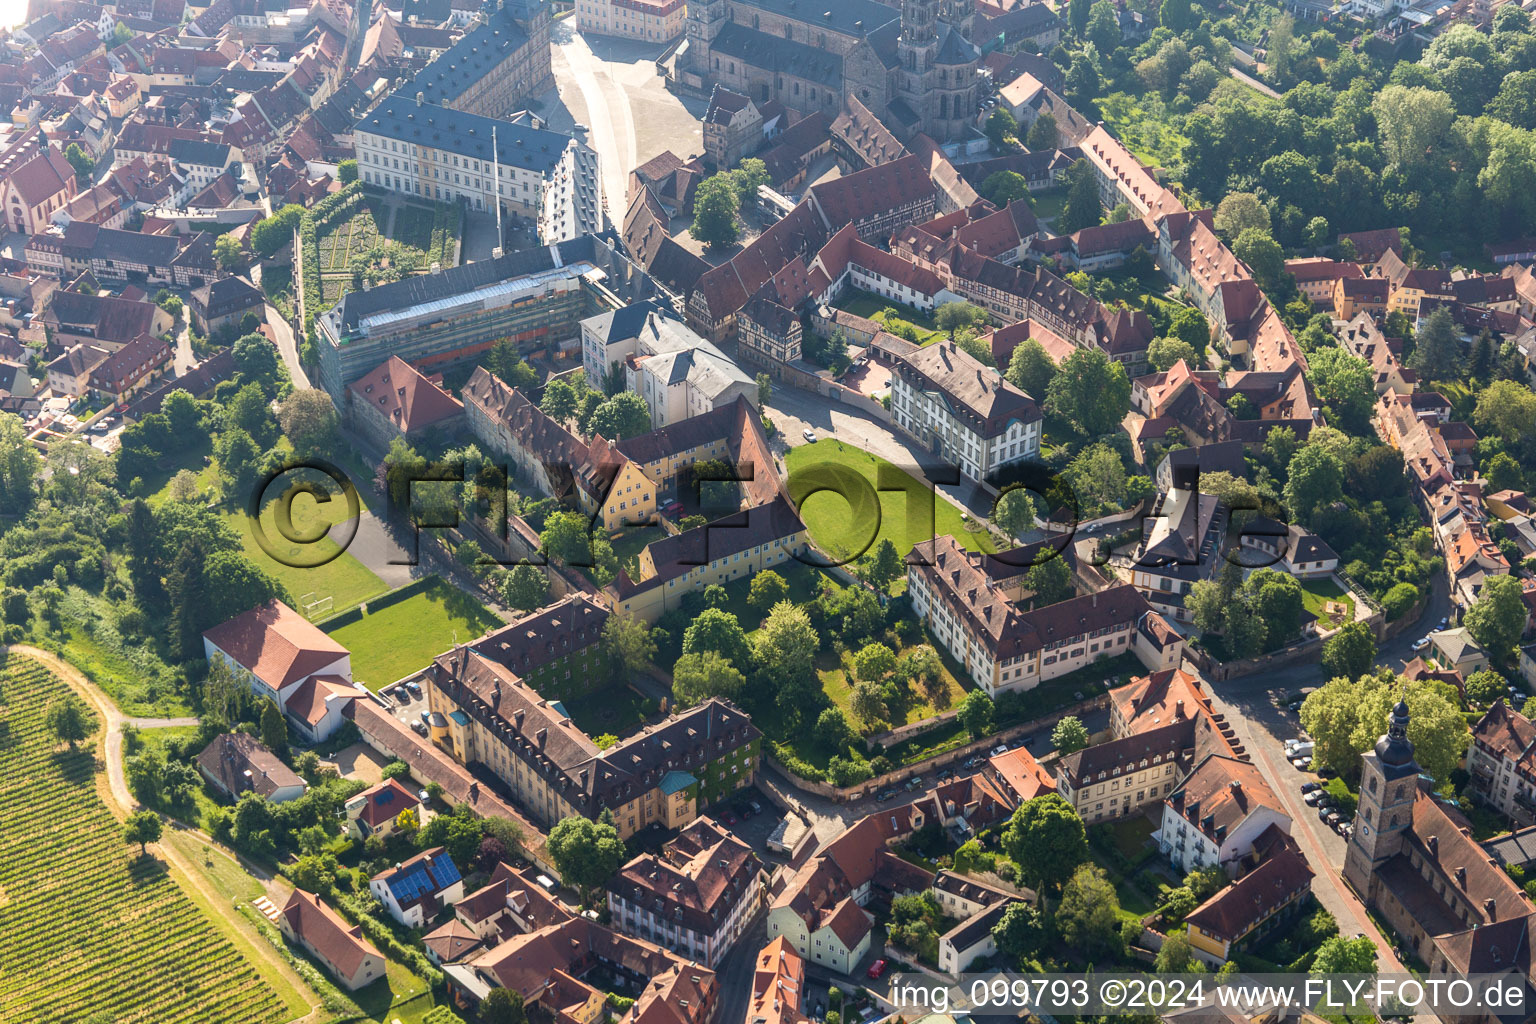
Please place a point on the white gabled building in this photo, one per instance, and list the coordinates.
(963, 411)
(1216, 814)
(290, 661)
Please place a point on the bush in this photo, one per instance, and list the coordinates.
(1398, 600)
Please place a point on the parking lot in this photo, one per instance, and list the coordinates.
(408, 706)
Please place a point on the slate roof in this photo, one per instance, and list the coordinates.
(775, 53)
(467, 135)
(477, 54)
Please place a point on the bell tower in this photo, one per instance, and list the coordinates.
(1389, 783)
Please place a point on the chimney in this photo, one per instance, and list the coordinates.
(1178, 709)
(541, 736)
(1434, 846)
(517, 717)
(1491, 908)
(421, 98)
(1461, 877)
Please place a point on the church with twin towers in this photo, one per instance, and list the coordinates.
(916, 67)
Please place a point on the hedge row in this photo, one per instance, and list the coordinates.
(355, 613)
(382, 936)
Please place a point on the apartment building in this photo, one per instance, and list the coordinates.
(646, 20)
(543, 177)
(485, 712)
(1502, 763)
(1002, 647)
(963, 411)
(1217, 814)
(695, 897)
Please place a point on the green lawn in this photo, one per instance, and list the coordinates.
(837, 682)
(872, 306)
(300, 566)
(846, 520)
(805, 582)
(613, 709)
(1048, 205)
(628, 545)
(1317, 593)
(393, 642)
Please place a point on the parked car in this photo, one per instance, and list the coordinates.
(1322, 813)
(1334, 819)
(1327, 773)
(1001, 748)
(1294, 705)
(1341, 827)
(1307, 787)
(426, 716)
(1301, 764)
(419, 726)
(757, 808)
(1313, 798)
(1421, 643)
(877, 968)
(414, 687)
(809, 435)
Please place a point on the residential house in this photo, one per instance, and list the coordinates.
(1293, 548)
(821, 910)
(678, 373)
(1121, 777)
(226, 301)
(695, 897)
(1216, 815)
(1455, 648)
(1316, 277)
(129, 370)
(1263, 898)
(376, 810)
(1355, 295)
(778, 986)
(339, 947)
(733, 128)
(237, 762)
(1502, 763)
(1181, 545)
(413, 892)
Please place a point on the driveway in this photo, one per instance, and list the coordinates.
(1262, 728)
(287, 346)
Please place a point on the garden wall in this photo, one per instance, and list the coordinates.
(848, 794)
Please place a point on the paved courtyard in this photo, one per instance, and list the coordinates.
(613, 88)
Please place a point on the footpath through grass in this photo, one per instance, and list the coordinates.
(92, 929)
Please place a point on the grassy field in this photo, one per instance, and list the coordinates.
(1145, 127)
(614, 710)
(846, 520)
(837, 682)
(297, 565)
(872, 306)
(92, 930)
(1317, 593)
(393, 642)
